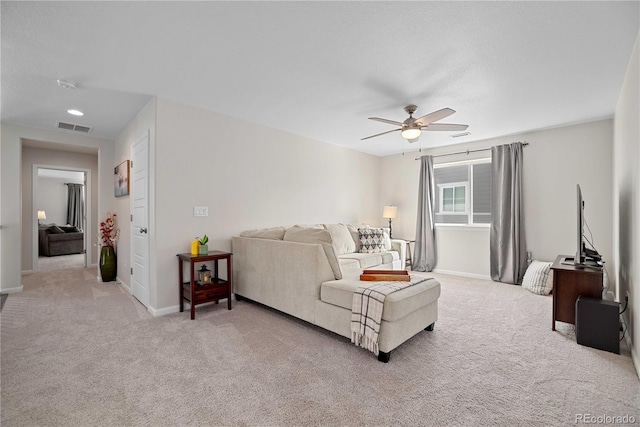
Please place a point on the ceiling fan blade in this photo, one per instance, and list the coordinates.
(445, 127)
(391, 122)
(434, 117)
(378, 134)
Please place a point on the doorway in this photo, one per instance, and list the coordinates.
(61, 204)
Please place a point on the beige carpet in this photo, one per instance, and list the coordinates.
(62, 262)
(80, 353)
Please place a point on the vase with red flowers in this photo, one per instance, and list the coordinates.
(108, 260)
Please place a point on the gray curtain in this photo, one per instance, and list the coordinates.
(508, 251)
(75, 205)
(425, 245)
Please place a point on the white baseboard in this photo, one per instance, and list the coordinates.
(176, 309)
(462, 274)
(635, 358)
(167, 310)
(124, 285)
(11, 290)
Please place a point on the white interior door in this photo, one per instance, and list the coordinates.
(139, 179)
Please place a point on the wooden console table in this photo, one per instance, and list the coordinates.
(199, 294)
(569, 282)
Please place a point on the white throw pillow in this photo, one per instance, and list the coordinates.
(538, 278)
(387, 238)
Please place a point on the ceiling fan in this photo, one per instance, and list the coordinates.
(411, 128)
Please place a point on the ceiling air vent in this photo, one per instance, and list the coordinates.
(77, 128)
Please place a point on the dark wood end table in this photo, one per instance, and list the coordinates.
(569, 282)
(199, 294)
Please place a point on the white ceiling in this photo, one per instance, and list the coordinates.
(319, 69)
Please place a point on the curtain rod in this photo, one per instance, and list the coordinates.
(67, 183)
(468, 151)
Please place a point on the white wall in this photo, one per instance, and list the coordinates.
(52, 157)
(626, 192)
(264, 177)
(10, 214)
(554, 162)
(258, 177)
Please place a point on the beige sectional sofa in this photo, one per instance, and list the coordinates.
(311, 271)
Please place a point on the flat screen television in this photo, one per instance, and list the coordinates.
(585, 257)
(580, 255)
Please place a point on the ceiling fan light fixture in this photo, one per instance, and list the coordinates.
(411, 133)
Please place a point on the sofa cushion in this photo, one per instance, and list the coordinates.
(340, 238)
(371, 240)
(367, 260)
(273, 233)
(396, 305)
(315, 235)
(320, 226)
(54, 229)
(70, 228)
(348, 262)
(387, 238)
(353, 230)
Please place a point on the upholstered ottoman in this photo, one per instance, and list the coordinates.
(405, 312)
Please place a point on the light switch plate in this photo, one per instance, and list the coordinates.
(200, 211)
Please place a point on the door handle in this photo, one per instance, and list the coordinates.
(143, 230)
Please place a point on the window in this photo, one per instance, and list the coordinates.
(463, 192)
(453, 198)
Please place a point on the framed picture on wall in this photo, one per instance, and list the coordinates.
(121, 179)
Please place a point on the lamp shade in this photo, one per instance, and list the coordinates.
(390, 212)
(411, 133)
(42, 215)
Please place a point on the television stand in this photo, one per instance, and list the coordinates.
(568, 260)
(588, 262)
(569, 282)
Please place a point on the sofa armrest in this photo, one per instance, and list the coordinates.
(401, 247)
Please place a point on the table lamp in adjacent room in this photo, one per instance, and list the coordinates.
(41, 215)
(390, 212)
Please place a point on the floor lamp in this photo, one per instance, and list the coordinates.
(390, 212)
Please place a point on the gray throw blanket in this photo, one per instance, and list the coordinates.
(366, 310)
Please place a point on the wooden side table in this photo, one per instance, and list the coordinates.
(200, 294)
(569, 282)
(408, 263)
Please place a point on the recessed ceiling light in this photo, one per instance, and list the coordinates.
(66, 84)
(75, 112)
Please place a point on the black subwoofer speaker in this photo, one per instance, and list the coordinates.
(598, 324)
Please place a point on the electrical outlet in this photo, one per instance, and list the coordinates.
(200, 211)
